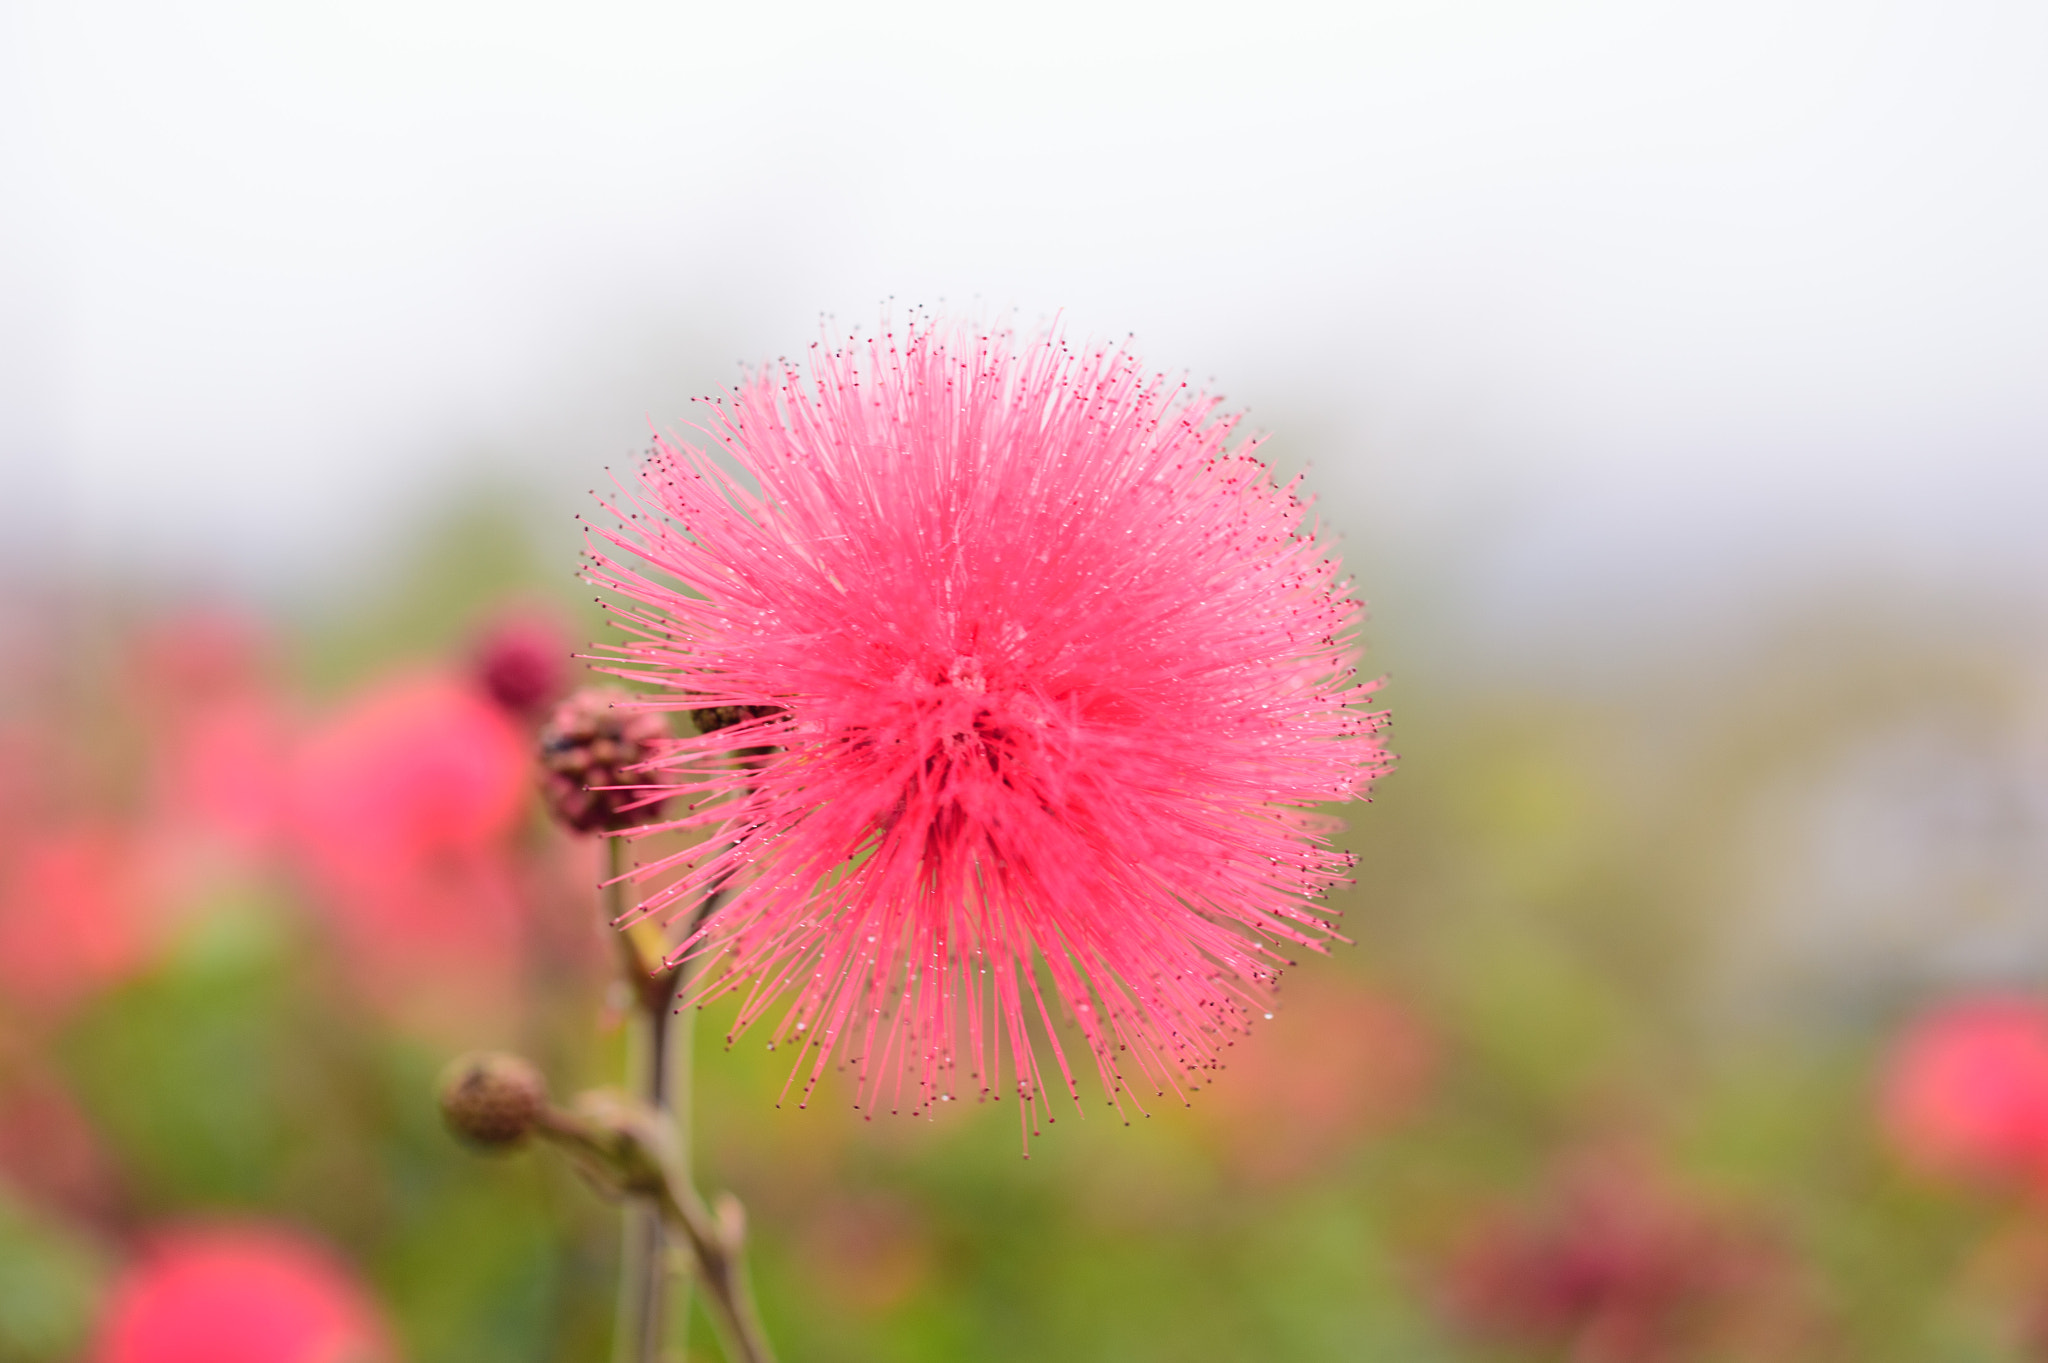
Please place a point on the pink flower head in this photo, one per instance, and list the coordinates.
(1967, 1093)
(402, 808)
(239, 1295)
(1036, 680)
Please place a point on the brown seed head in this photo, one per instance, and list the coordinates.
(492, 1099)
(587, 745)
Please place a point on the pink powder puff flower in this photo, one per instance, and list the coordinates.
(1045, 677)
(402, 807)
(239, 1294)
(1966, 1096)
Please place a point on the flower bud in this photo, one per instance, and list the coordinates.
(523, 663)
(586, 747)
(492, 1099)
(715, 717)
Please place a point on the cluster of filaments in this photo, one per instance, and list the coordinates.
(1045, 680)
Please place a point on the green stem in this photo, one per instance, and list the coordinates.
(682, 1039)
(643, 1254)
(629, 1146)
(681, 1036)
(662, 1075)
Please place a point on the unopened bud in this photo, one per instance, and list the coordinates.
(587, 746)
(493, 1099)
(712, 718)
(523, 663)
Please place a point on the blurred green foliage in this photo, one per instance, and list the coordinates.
(50, 1280)
(1550, 884)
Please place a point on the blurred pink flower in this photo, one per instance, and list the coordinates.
(1966, 1094)
(1339, 1062)
(1043, 670)
(28, 759)
(1612, 1264)
(220, 777)
(218, 740)
(523, 661)
(115, 808)
(73, 917)
(240, 1294)
(402, 806)
(194, 656)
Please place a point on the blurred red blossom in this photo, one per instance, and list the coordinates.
(28, 762)
(1338, 1062)
(522, 661)
(219, 783)
(193, 656)
(401, 807)
(1966, 1093)
(48, 1149)
(73, 916)
(1613, 1264)
(239, 1294)
(217, 740)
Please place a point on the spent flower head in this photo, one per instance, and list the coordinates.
(1030, 680)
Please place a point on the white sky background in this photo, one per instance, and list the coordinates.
(1618, 300)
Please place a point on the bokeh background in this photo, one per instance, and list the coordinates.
(1672, 375)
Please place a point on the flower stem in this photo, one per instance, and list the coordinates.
(661, 1074)
(637, 1329)
(627, 1145)
(682, 1034)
